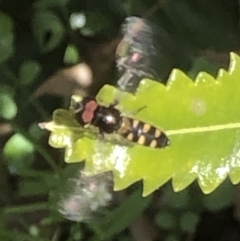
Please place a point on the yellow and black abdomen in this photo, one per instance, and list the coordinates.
(142, 133)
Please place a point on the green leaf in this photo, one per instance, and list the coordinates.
(201, 64)
(95, 23)
(71, 55)
(221, 198)
(166, 220)
(28, 71)
(177, 200)
(201, 119)
(189, 221)
(76, 232)
(48, 30)
(28, 187)
(7, 37)
(8, 107)
(172, 237)
(51, 4)
(109, 226)
(34, 230)
(34, 132)
(19, 153)
(66, 132)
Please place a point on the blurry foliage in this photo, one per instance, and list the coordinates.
(36, 41)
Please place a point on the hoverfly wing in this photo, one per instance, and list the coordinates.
(135, 54)
(82, 195)
(147, 51)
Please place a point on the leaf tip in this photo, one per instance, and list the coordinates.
(234, 56)
(178, 79)
(180, 182)
(234, 63)
(207, 186)
(46, 125)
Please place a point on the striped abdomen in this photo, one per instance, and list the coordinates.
(142, 133)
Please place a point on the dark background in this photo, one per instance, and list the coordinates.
(191, 35)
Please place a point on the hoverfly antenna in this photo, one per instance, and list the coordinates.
(78, 107)
(76, 103)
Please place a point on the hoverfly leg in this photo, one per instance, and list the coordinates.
(101, 135)
(139, 110)
(115, 103)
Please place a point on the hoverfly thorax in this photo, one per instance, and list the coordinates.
(108, 119)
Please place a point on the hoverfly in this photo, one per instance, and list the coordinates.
(110, 120)
(135, 58)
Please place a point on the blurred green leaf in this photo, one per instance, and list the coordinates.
(95, 23)
(189, 221)
(177, 200)
(172, 237)
(7, 37)
(202, 64)
(201, 119)
(108, 225)
(48, 30)
(29, 71)
(34, 230)
(166, 220)
(26, 208)
(222, 197)
(19, 153)
(76, 232)
(29, 187)
(125, 238)
(50, 4)
(8, 107)
(71, 55)
(34, 132)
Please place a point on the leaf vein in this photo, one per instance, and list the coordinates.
(203, 129)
